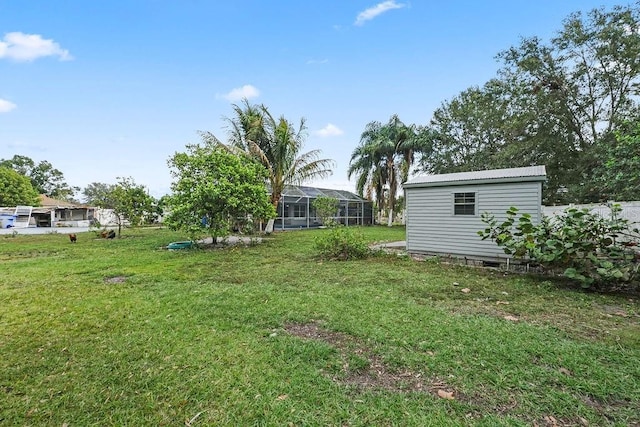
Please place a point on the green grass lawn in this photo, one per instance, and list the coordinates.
(126, 333)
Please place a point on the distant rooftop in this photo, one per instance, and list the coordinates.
(46, 201)
(529, 173)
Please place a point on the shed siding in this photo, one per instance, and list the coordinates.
(433, 228)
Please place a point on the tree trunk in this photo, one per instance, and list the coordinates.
(390, 221)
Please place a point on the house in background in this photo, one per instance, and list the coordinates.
(295, 209)
(443, 211)
(60, 213)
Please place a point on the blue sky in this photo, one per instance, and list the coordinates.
(109, 88)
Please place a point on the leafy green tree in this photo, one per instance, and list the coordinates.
(620, 171)
(130, 203)
(276, 144)
(591, 67)
(468, 131)
(557, 103)
(588, 79)
(500, 125)
(326, 208)
(16, 189)
(98, 194)
(383, 159)
(45, 179)
(213, 188)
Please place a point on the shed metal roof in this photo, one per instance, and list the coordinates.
(524, 174)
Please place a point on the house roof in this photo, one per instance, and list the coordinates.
(525, 174)
(48, 202)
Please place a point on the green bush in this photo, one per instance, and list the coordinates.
(597, 252)
(342, 243)
(326, 209)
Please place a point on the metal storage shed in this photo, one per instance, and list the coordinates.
(443, 211)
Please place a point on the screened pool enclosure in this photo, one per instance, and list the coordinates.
(295, 209)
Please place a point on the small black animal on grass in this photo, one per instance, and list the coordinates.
(73, 238)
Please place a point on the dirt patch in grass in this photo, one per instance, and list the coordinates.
(606, 408)
(115, 279)
(364, 369)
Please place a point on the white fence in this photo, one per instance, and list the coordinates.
(630, 210)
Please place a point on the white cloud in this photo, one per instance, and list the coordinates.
(25, 147)
(27, 47)
(6, 106)
(239, 93)
(317, 61)
(329, 130)
(380, 8)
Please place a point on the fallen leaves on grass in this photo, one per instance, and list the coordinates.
(511, 318)
(564, 371)
(189, 423)
(445, 395)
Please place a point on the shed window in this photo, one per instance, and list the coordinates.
(464, 203)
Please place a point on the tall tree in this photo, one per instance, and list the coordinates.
(277, 145)
(500, 125)
(619, 170)
(45, 179)
(16, 189)
(557, 103)
(130, 202)
(98, 194)
(383, 160)
(588, 78)
(214, 187)
(368, 164)
(468, 131)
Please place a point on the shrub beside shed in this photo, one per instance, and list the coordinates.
(443, 211)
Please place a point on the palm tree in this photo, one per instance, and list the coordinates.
(276, 144)
(368, 164)
(383, 160)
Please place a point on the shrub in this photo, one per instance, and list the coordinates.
(342, 243)
(581, 245)
(326, 209)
